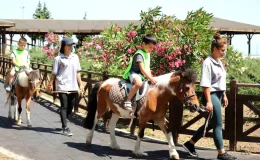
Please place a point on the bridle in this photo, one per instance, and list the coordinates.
(186, 98)
(36, 88)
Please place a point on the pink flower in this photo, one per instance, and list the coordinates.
(124, 58)
(176, 64)
(170, 57)
(129, 51)
(90, 44)
(178, 48)
(171, 64)
(113, 52)
(98, 47)
(79, 53)
(87, 53)
(138, 47)
(161, 66)
(104, 53)
(95, 57)
(169, 43)
(132, 34)
(186, 46)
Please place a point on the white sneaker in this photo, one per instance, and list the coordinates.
(128, 105)
(8, 88)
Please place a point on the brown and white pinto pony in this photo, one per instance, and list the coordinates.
(180, 84)
(27, 86)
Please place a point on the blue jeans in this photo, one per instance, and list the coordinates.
(215, 122)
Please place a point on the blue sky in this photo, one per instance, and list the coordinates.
(246, 11)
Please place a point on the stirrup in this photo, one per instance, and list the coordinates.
(128, 105)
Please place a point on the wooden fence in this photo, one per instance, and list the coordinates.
(234, 114)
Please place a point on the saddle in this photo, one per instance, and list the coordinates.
(15, 81)
(119, 92)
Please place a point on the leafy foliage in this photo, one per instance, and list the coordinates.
(42, 12)
(53, 46)
(234, 63)
(37, 55)
(180, 43)
(250, 75)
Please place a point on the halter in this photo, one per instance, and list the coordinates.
(186, 98)
(36, 89)
(187, 101)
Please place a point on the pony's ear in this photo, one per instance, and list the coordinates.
(27, 73)
(175, 78)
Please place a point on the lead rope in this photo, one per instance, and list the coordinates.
(207, 123)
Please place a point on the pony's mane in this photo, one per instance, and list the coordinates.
(188, 74)
(163, 80)
(35, 74)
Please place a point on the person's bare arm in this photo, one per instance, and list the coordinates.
(49, 87)
(147, 73)
(209, 105)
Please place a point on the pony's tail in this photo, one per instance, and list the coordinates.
(91, 107)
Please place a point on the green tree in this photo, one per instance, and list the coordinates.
(41, 13)
(46, 14)
(38, 11)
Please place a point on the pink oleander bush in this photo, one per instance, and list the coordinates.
(51, 49)
(180, 43)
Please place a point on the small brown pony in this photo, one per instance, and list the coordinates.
(27, 86)
(155, 106)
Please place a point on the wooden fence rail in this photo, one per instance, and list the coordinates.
(234, 113)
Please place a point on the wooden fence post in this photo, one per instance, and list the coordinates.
(4, 65)
(232, 117)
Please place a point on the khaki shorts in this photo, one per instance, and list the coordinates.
(133, 75)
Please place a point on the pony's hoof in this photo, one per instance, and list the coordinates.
(139, 154)
(19, 123)
(88, 142)
(175, 157)
(29, 126)
(115, 147)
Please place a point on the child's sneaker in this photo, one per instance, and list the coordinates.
(8, 88)
(128, 105)
(67, 132)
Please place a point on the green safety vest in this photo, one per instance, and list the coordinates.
(21, 58)
(146, 57)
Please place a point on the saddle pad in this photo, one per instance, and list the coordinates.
(119, 92)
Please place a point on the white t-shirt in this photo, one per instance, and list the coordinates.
(66, 69)
(213, 75)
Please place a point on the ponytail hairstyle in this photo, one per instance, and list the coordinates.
(218, 42)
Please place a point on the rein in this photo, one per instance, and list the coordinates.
(202, 110)
(36, 89)
(67, 92)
